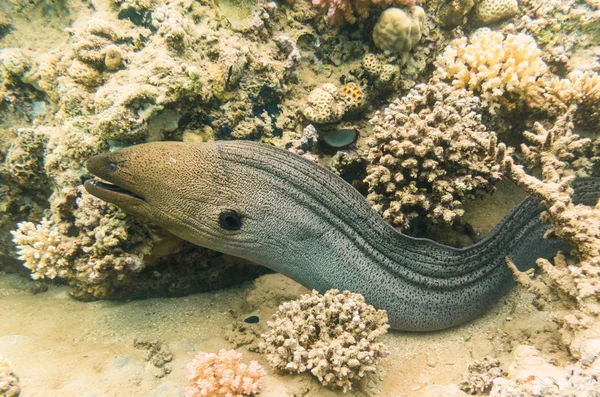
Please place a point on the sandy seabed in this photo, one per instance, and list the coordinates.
(62, 347)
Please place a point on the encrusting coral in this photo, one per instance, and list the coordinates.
(334, 336)
(489, 11)
(223, 375)
(428, 151)
(504, 70)
(9, 382)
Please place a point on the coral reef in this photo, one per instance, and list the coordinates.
(339, 11)
(334, 336)
(9, 382)
(399, 30)
(107, 247)
(223, 375)
(578, 224)
(428, 151)
(481, 375)
(453, 13)
(504, 70)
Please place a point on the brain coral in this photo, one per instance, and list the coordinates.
(333, 336)
(428, 151)
(223, 375)
(326, 104)
(504, 70)
(490, 11)
(399, 30)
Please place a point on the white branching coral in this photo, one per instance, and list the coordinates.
(334, 336)
(504, 70)
(223, 375)
(41, 249)
(428, 151)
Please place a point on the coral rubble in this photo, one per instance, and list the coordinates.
(333, 336)
(9, 382)
(222, 375)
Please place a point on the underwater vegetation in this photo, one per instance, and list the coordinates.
(423, 106)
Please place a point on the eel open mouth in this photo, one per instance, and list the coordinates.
(94, 186)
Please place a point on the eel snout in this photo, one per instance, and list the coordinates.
(114, 187)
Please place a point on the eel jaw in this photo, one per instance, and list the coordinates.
(111, 193)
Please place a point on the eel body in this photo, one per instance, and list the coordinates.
(276, 209)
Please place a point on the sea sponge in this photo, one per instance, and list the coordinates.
(428, 151)
(9, 382)
(399, 30)
(504, 70)
(486, 12)
(334, 336)
(325, 105)
(223, 375)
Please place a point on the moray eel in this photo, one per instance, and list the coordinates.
(279, 210)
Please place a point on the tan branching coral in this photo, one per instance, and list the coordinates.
(428, 151)
(504, 70)
(578, 88)
(334, 336)
(340, 11)
(223, 375)
(578, 224)
(9, 382)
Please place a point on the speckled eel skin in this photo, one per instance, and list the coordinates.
(281, 211)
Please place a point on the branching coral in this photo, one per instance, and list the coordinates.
(429, 150)
(334, 336)
(504, 70)
(107, 246)
(578, 88)
(576, 224)
(339, 11)
(223, 375)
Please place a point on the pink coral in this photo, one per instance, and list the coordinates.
(223, 375)
(339, 11)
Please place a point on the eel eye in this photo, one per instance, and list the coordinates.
(111, 167)
(230, 220)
